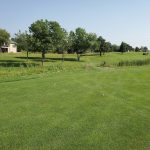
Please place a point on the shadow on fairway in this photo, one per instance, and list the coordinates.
(65, 59)
(38, 59)
(94, 54)
(30, 58)
(12, 63)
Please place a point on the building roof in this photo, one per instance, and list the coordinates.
(5, 46)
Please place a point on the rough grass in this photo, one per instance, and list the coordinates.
(135, 62)
(12, 65)
(100, 108)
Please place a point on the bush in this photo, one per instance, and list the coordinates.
(146, 53)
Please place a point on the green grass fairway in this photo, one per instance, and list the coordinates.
(74, 105)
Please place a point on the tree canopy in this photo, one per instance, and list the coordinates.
(48, 33)
(124, 47)
(4, 37)
(48, 36)
(21, 38)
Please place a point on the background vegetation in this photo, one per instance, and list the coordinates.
(48, 36)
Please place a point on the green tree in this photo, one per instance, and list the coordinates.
(21, 40)
(63, 44)
(26, 42)
(123, 47)
(80, 42)
(115, 48)
(71, 42)
(137, 49)
(48, 35)
(4, 37)
(108, 47)
(40, 32)
(102, 46)
(93, 42)
(57, 34)
(144, 49)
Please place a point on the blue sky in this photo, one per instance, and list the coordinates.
(115, 20)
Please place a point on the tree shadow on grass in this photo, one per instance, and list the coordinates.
(66, 59)
(38, 59)
(94, 54)
(12, 63)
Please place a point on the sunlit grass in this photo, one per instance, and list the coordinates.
(74, 105)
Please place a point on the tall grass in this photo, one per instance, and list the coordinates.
(16, 65)
(134, 62)
(24, 69)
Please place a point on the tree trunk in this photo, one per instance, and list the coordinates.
(78, 57)
(43, 56)
(27, 55)
(100, 52)
(62, 55)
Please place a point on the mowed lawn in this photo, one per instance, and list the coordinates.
(101, 108)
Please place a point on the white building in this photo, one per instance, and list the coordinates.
(11, 48)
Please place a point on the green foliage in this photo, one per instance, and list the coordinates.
(108, 47)
(4, 37)
(48, 34)
(144, 49)
(58, 35)
(40, 30)
(124, 47)
(102, 45)
(71, 41)
(137, 49)
(22, 41)
(81, 43)
(93, 42)
(115, 48)
(63, 44)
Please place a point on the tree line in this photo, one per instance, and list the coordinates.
(48, 36)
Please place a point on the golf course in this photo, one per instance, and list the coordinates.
(97, 103)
